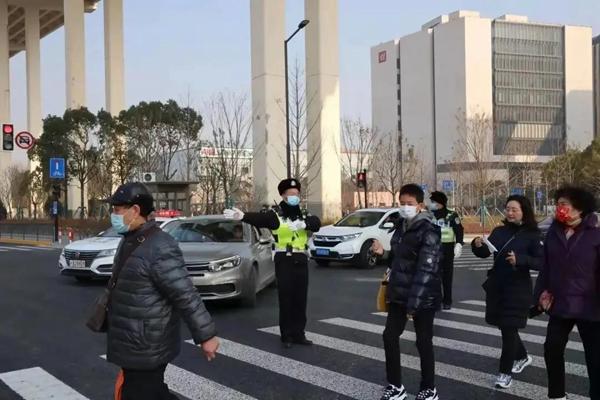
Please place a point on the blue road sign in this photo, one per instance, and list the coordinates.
(448, 185)
(57, 168)
(539, 194)
(517, 190)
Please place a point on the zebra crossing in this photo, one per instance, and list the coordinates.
(24, 249)
(354, 368)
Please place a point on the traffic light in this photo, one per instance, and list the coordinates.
(56, 191)
(8, 133)
(361, 179)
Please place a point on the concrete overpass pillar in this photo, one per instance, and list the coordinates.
(323, 102)
(267, 19)
(75, 52)
(32, 52)
(5, 156)
(113, 56)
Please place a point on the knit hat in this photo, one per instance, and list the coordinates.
(439, 198)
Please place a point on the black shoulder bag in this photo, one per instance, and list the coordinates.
(97, 320)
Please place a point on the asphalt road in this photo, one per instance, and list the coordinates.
(45, 349)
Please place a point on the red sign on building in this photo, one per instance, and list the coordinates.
(382, 56)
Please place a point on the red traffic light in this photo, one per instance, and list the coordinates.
(7, 129)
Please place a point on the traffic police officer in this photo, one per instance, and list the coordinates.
(290, 226)
(452, 241)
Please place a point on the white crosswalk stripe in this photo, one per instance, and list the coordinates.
(37, 384)
(344, 339)
(25, 248)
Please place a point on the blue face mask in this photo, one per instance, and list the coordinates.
(293, 200)
(118, 223)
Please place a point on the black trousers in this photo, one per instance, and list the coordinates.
(512, 349)
(394, 327)
(292, 283)
(447, 267)
(146, 385)
(557, 337)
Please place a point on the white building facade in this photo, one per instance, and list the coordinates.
(532, 81)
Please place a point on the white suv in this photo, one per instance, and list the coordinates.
(350, 238)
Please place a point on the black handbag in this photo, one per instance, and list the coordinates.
(97, 320)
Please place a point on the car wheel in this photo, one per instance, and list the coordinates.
(249, 299)
(322, 263)
(83, 278)
(366, 259)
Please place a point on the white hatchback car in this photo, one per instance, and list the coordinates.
(93, 258)
(350, 238)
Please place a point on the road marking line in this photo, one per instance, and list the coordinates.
(196, 387)
(464, 375)
(492, 331)
(37, 384)
(451, 344)
(334, 381)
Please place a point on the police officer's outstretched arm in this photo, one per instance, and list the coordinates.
(171, 278)
(263, 219)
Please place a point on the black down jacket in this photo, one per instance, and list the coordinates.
(508, 289)
(415, 279)
(153, 291)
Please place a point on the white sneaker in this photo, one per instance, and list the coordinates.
(520, 365)
(392, 392)
(559, 398)
(503, 381)
(428, 394)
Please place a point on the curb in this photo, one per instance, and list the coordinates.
(41, 243)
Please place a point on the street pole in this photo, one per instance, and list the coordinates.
(288, 148)
(366, 197)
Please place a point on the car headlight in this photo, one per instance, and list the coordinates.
(107, 253)
(226, 263)
(353, 236)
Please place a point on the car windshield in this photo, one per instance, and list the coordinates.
(110, 232)
(361, 219)
(207, 230)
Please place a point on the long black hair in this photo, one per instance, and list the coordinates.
(529, 221)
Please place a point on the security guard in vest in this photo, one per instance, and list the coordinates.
(452, 241)
(290, 226)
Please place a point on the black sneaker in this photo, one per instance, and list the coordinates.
(428, 394)
(447, 307)
(392, 392)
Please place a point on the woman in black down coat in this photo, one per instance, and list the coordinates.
(509, 290)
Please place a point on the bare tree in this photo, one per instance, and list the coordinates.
(358, 145)
(230, 125)
(36, 191)
(8, 187)
(474, 147)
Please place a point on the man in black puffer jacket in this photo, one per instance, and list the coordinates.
(153, 291)
(414, 291)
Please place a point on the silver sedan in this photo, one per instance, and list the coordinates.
(226, 259)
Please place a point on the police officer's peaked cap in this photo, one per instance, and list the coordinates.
(290, 183)
(132, 193)
(439, 197)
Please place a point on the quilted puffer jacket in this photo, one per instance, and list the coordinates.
(152, 294)
(415, 280)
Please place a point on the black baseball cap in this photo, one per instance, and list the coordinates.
(130, 194)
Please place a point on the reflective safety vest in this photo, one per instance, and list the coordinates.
(445, 224)
(285, 236)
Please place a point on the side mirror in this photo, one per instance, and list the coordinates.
(388, 225)
(101, 233)
(264, 241)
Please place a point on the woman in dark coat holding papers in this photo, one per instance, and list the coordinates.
(517, 248)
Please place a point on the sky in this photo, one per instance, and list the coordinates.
(176, 48)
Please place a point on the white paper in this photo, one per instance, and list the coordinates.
(489, 245)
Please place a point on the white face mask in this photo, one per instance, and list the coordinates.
(408, 212)
(433, 206)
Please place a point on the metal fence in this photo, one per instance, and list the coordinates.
(37, 232)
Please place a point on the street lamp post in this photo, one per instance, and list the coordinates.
(288, 150)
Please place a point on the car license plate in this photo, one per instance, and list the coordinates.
(322, 252)
(77, 264)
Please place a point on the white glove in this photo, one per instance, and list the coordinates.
(457, 250)
(297, 225)
(233, 213)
